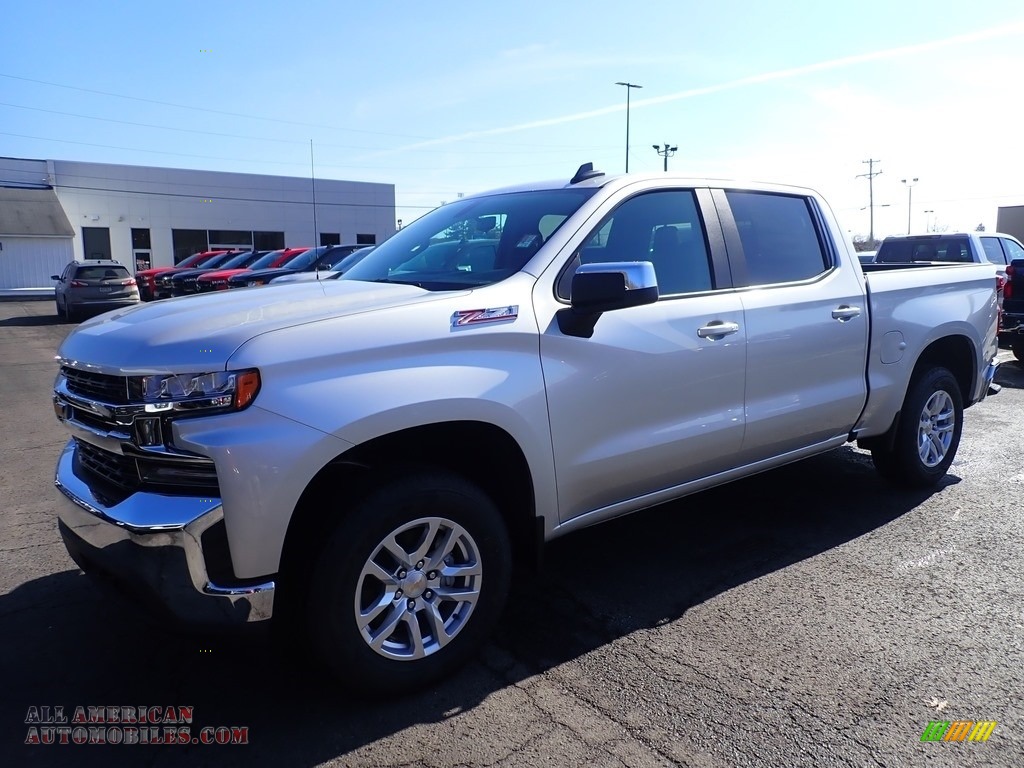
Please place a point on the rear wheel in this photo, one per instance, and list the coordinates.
(928, 433)
(409, 584)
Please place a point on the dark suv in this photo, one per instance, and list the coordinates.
(93, 285)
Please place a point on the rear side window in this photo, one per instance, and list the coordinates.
(780, 241)
(993, 251)
(101, 273)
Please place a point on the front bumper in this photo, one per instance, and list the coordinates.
(152, 545)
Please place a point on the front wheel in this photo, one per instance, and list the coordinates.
(928, 433)
(409, 584)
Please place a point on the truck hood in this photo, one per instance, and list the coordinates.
(199, 333)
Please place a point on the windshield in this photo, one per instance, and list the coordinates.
(266, 260)
(238, 260)
(304, 259)
(347, 262)
(470, 243)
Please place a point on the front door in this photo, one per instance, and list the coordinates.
(651, 400)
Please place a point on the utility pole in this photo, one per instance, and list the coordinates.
(870, 176)
(667, 152)
(629, 87)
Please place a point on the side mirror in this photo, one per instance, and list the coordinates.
(55, 277)
(599, 288)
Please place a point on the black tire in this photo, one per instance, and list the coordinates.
(1017, 345)
(903, 464)
(338, 579)
(60, 310)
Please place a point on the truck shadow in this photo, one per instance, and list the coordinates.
(1010, 374)
(64, 644)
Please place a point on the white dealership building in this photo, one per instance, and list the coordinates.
(53, 211)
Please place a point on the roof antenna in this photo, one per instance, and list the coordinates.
(584, 172)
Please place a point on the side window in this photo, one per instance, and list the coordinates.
(780, 241)
(1013, 249)
(663, 228)
(993, 251)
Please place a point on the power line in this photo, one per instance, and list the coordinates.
(267, 119)
(265, 162)
(224, 197)
(239, 136)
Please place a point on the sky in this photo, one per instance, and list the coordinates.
(453, 97)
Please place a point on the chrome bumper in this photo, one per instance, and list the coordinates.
(152, 544)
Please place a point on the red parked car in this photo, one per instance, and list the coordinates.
(217, 280)
(146, 278)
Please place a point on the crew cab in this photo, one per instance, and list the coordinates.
(374, 459)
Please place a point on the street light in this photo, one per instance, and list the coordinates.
(628, 87)
(927, 219)
(667, 152)
(910, 196)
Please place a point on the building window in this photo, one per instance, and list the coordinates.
(140, 240)
(96, 242)
(330, 238)
(188, 241)
(267, 241)
(366, 239)
(229, 238)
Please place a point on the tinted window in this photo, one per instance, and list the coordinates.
(1013, 249)
(993, 251)
(663, 228)
(931, 248)
(780, 241)
(101, 273)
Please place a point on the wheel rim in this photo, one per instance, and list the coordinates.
(935, 434)
(418, 589)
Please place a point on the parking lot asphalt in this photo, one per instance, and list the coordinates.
(809, 616)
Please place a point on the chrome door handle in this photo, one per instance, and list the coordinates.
(716, 329)
(845, 312)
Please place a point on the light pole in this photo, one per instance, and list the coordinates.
(927, 219)
(629, 86)
(667, 152)
(910, 197)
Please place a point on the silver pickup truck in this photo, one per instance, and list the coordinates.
(373, 459)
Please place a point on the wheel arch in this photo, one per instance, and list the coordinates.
(484, 454)
(956, 353)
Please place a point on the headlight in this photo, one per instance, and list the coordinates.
(230, 390)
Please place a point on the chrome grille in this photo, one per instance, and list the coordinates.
(96, 386)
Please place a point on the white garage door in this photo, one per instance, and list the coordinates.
(28, 262)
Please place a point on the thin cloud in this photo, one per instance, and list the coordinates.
(1004, 30)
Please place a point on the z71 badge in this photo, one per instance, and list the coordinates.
(476, 316)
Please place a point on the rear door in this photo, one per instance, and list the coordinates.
(806, 322)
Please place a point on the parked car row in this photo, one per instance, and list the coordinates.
(223, 270)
